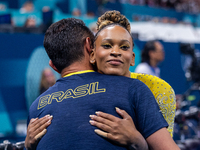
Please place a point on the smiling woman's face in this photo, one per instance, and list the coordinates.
(113, 51)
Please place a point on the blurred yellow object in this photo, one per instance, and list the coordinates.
(164, 95)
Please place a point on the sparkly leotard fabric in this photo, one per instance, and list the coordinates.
(164, 95)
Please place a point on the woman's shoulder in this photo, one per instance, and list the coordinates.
(151, 80)
(163, 93)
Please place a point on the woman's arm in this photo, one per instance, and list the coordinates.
(123, 131)
(161, 140)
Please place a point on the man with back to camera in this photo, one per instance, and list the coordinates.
(81, 92)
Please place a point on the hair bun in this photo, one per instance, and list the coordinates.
(111, 17)
(104, 23)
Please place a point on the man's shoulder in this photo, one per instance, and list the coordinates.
(41, 96)
(129, 81)
(35, 102)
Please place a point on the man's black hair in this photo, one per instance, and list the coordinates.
(64, 41)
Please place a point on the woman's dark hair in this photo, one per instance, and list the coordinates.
(64, 41)
(149, 46)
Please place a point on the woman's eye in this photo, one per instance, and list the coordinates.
(106, 46)
(124, 47)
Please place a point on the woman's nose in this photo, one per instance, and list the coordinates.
(115, 51)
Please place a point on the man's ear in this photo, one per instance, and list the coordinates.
(133, 59)
(52, 66)
(92, 57)
(88, 45)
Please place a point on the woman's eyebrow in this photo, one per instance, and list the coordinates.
(106, 40)
(109, 40)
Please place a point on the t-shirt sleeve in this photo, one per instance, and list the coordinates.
(149, 118)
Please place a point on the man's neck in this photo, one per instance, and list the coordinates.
(75, 67)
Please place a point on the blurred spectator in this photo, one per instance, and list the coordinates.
(93, 27)
(165, 20)
(152, 3)
(2, 7)
(188, 6)
(78, 7)
(30, 26)
(30, 22)
(155, 19)
(48, 79)
(76, 12)
(27, 7)
(90, 14)
(74, 7)
(45, 8)
(152, 55)
(173, 21)
(136, 18)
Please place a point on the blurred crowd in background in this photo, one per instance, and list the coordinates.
(189, 6)
(29, 16)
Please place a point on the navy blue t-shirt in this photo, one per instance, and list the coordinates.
(72, 99)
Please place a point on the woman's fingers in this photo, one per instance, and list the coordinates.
(106, 116)
(43, 123)
(99, 123)
(33, 120)
(117, 129)
(115, 138)
(101, 133)
(123, 114)
(101, 119)
(41, 134)
(38, 125)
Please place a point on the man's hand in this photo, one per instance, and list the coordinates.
(122, 131)
(36, 130)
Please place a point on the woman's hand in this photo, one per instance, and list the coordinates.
(122, 131)
(36, 130)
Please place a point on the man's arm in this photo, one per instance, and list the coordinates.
(122, 131)
(36, 129)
